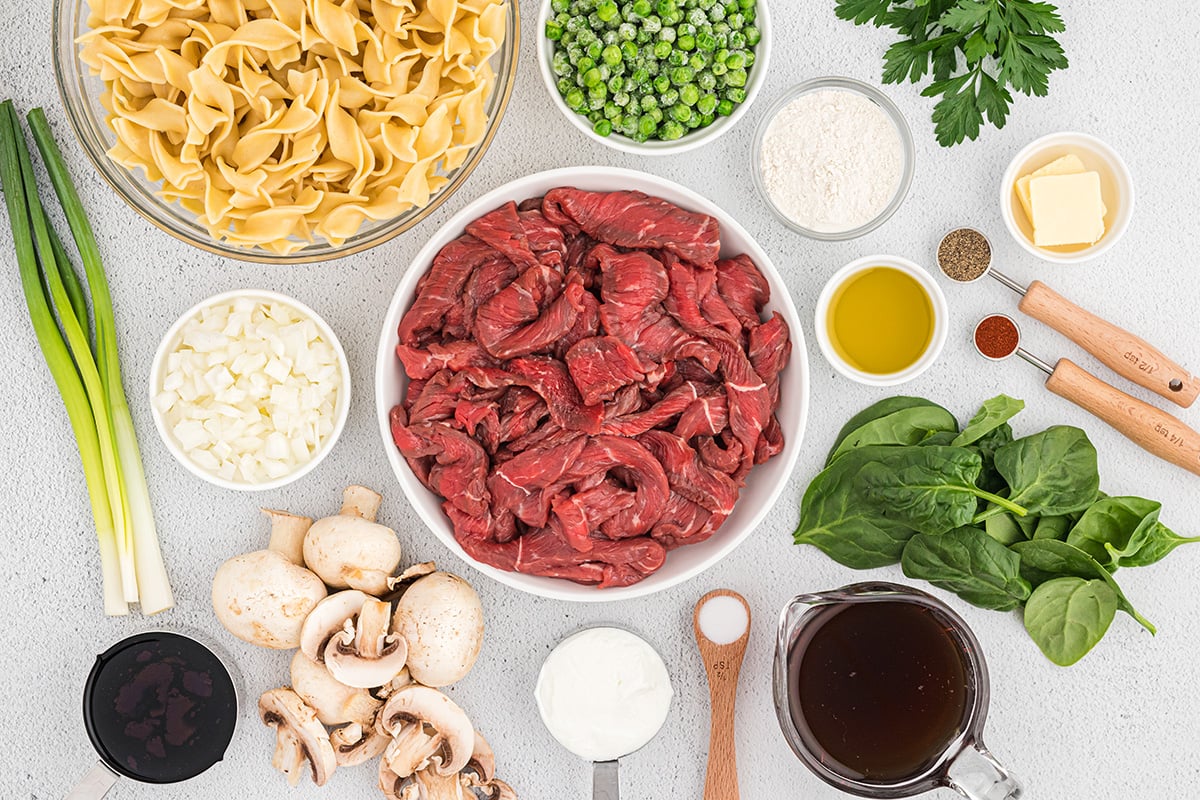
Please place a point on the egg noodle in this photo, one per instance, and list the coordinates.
(275, 121)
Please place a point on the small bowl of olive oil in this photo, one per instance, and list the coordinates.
(881, 320)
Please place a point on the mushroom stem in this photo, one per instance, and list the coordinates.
(287, 535)
(359, 501)
(373, 622)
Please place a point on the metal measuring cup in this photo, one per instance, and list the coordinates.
(1121, 351)
(964, 764)
(1151, 428)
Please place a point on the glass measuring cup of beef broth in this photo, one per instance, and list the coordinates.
(882, 691)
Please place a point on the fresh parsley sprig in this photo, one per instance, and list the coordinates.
(973, 52)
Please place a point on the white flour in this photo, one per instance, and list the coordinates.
(831, 160)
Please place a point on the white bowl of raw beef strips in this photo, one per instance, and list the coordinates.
(763, 484)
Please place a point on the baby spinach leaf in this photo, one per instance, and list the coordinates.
(1043, 560)
(969, 563)
(1148, 545)
(843, 524)
(989, 479)
(1004, 529)
(930, 489)
(1066, 617)
(1052, 472)
(1055, 527)
(994, 413)
(939, 439)
(1110, 525)
(905, 426)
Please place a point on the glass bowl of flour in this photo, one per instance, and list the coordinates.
(833, 158)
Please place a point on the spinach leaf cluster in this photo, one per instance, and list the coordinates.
(1004, 523)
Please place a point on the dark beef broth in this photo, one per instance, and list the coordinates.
(878, 689)
(160, 707)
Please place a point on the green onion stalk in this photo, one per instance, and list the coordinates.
(87, 372)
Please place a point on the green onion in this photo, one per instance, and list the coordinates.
(88, 376)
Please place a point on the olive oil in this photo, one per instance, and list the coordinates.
(878, 689)
(881, 321)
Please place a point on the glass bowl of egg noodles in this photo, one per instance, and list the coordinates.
(833, 158)
(285, 131)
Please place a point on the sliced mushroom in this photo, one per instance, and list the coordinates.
(334, 702)
(351, 550)
(410, 750)
(411, 574)
(441, 618)
(363, 654)
(482, 766)
(355, 744)
(402, 679)
(495, 789)
(392, 784)
(329, 617)
(299, 736)
(264, 597)
(433, 715)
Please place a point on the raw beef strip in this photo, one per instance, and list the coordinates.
(716, 311)
(770, 348)
(744, 288)
(707, 415)
(550, 379)
(631, 284)
(545, 240)
(770, 444)
(441, 289)
(642, 471)
(587, 321)
(601, 365)
(718, 457)
(503, 231)
(528, 315)
(488, 278)
(521, 411)
(459, 471)
(634, 219)
(681, 520)
(518, 485)
(688, 476)
(674, 403)
(455, 355)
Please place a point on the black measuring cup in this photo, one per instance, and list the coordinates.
(159, 707)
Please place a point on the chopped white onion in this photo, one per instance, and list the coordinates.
(249, 392)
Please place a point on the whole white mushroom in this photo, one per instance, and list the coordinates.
(264, 596)
(441, 619)
(351, 550)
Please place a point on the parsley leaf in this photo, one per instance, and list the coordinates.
(1004, 45)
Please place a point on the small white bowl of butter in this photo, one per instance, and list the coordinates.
(1067, 197)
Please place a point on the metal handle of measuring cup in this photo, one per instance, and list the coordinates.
(606, 781)
(94, 785)
(977, 775)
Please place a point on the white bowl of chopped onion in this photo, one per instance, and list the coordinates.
(250, 389)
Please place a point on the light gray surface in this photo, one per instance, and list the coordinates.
(1121, 724)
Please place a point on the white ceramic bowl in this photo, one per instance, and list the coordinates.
(690, 140)
(1116, 185)
(941, 316)
(765, 482)
(168, 345)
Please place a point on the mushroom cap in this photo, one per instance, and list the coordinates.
(482, 766)
(334, 702)
(352, 668)
(422, 708)
(355, 744)
(441, 618)
(350, 552)
(299, 736)
(263, 598)
(327, 618)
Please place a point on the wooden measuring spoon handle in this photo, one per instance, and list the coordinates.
(1153, 429)
(721, 780)
(1121, 351)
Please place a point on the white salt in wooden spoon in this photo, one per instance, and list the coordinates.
(722, 625)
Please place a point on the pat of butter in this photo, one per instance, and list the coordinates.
(1067, 209)
(1069, 164)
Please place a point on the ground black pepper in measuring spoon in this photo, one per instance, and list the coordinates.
(964, 254)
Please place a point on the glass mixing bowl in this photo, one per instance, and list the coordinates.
(81, 91)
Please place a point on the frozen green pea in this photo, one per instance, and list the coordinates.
(707, 104)
(725, 107)
(671, 130)
(689, 94)
(736, 78)
(603, 127)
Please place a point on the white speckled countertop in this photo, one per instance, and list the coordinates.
(1121, 724)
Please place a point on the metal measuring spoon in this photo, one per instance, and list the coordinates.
(565, 666)
(1151, 428)
(1121, 351)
